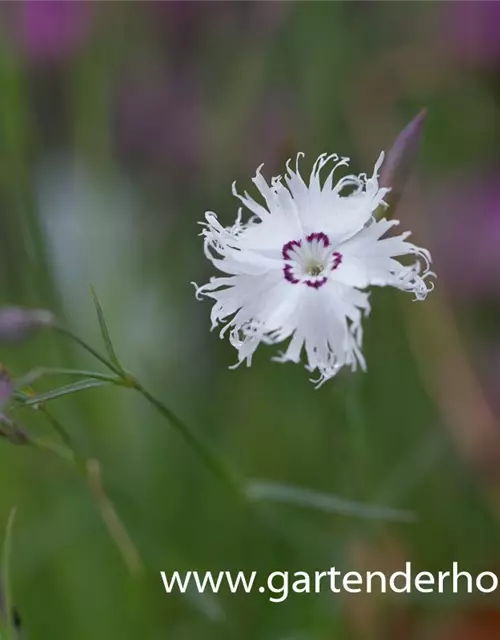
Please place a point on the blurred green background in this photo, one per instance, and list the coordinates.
(121, 123)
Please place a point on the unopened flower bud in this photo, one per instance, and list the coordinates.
(16, 619)
(9, 429)
(400, 159)
(17, 323)
(12, 431)
(6, 386)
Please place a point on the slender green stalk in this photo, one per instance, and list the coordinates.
(116, 529)
(65, 437)
(107, 363)
(91, 469)
(357, 432)
(217, 465)
(57, 449)
(42, 372)
(246, 492)
(6, 555)
(212, 460)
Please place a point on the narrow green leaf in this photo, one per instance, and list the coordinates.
(28, 379)
(95, 354)
(104, 331)
(57, 449)
(6, 586)
(27, 400)
(287, 494)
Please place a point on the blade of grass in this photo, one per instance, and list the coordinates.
(193, 439)
(26, 400)
(91, 470)
(57, 449)
(41, 372)
(65, 437)
(107, 363)
(300, 497)
(213, 460)
(116, 528)
(6, 555)
(104, 331)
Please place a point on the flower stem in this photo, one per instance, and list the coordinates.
(114, 525)
(91, 469)
(107, 363)
(69, 443)
(213, 461)
(356, 424)
(6, 554)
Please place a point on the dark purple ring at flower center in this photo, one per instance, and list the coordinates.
(289, 269)
(288, 273)
(288, 247)
(319, 236)
(316, 284)
(337, 260)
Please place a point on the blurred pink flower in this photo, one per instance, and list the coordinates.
(175, 10)
(158, 121)
(472, 30)
(51, 30)
(187, 24)
(488, 367)
(265, 18)
(6, 386)
(466, 225)
(269, 136)
(181, 25)
(18, 323)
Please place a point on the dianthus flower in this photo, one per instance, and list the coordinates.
(298, 269)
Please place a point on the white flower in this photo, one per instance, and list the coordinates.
(300, 266)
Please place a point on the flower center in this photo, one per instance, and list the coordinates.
(310, 261)
(315, 269)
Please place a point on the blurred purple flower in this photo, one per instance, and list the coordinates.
(269, 136)
(6, 386)
(472, 30)
(187, 22)
(180, 13)
(51, 30)
(183, 21)
(268, 16)
(466, 225)
(17, 324)
(9, 429)
(158, 122)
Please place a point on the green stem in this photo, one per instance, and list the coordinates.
(356, 424)
(41, 372)
(91, 470)
(107, 363)
(57, 449)
(65, 437)
(7, 549)
(213, 461)
(217, 465)
(211, 458)
(116, 529)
